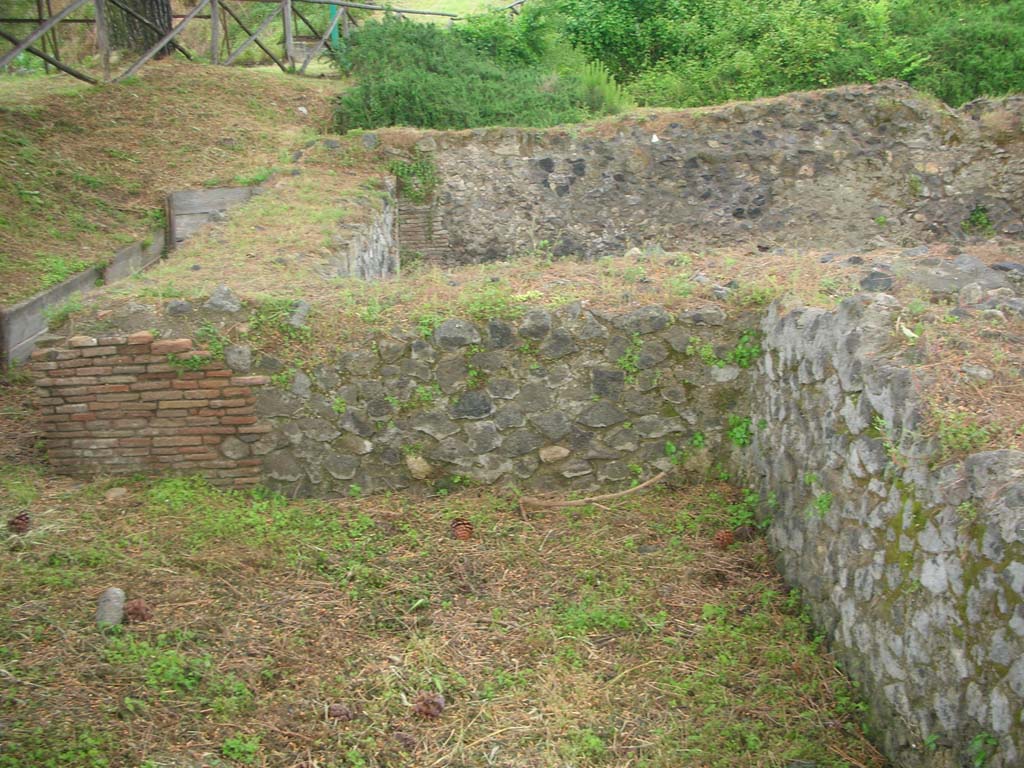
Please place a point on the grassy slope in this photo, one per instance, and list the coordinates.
(586, 637)
(85, 170)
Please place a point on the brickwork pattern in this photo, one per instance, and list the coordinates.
(117, 405)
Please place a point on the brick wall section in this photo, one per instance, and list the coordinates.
(420, 231)
(116, 406)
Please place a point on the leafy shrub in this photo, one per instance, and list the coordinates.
(491, 72)
(695, 52)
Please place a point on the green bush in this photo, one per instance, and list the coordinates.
(695, 52)
(493, 71)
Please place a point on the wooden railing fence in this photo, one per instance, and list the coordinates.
(297, 54)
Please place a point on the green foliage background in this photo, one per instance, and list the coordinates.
(566, 60)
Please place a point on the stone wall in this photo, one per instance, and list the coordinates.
(569, 399)
(842, 168)
(125, 404)
(367, 246)
(916, 573)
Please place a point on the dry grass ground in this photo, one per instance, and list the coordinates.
(303, 634)
(84, 170)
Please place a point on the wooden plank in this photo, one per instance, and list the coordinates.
(286, 10)
(320, 46)
(254, 37)
(214, 32)
(131, 12)
(163, 41)
(103, 37)
(308, 23)
(39, 31)
(55, 62)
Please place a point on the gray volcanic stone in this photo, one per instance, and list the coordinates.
(110, 607)
(554, 425)
(533, 397)
(282, 466)
(500, 334)
(607, 382)
(223, 300)
(318, 429)
(877, 281)
(521, 441)
(577, 469)
(435, 424)
(300, 314)
(301, 385)
(355, 420)
(502, 389)
(710, 315)
(653, 353)
(238, 357)
(536, 324)
(644, 320)
(234, 448)
(456, 333)
(473, 405)
(341, 467)
(602, 414)
(558, 345)
(482, 436)
(179, 307)
(510, 416)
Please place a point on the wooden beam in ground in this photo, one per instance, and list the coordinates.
(103, 37)
(323, 41)
(136, 15)
(370, 7)
(214, 32)
(46, 57)
(157, 47)
(254, 37)
(286, 10)
(39, 31)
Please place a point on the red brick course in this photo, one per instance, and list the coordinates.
(117, 405)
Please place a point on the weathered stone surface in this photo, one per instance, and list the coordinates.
(234, 448)
(238, 357)
(559, 344)
(472, 405)
(552, 453)
(179, 307)
(223, 300)
(482, 436)
(607, 382)
(602, 414)
(418, 467)
(110, 607)
(554, 425)
(341, 467)
(455, 333)
(282, 466)
(644, 320)
(435, 424)
(535, 325)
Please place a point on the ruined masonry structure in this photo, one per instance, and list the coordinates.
(126, 404)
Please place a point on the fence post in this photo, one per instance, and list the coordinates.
(215, 31)
(286, 10)
(103, 37)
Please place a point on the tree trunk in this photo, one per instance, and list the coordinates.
(128, 33)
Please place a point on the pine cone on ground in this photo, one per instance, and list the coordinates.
(462, 529)
(341, 712)
(723, 539)
(136, 611)
(19, 523)
(428, 705)
(744, 533)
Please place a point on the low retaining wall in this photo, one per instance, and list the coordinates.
(915, 573)
(125, 404)
(22, 324)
